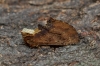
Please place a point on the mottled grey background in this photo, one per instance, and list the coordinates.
(83, 15)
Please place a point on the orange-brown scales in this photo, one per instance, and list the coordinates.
(55, 32)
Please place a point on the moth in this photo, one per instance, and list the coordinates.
(55, 32)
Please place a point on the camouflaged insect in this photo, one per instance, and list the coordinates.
(55, 32)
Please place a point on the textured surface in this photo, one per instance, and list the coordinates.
(83, 15)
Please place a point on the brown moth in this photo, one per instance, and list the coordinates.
(55, 32)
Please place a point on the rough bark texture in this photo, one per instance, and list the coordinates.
(83, 15)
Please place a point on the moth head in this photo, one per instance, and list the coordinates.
(29, 32)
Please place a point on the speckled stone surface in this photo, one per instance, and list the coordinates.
(83, 15)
